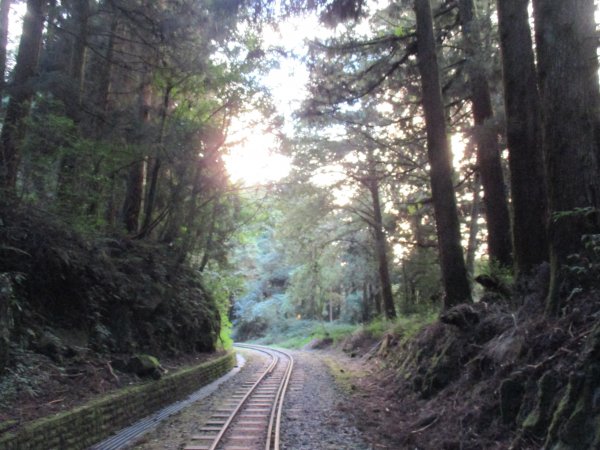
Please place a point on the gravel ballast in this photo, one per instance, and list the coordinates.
(312, 418)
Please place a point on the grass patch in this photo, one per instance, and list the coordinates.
(294, 333)
(404, 326)
(344, 376)
(408, 326)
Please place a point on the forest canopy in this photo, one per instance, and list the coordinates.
(433, 196)
(436, 145)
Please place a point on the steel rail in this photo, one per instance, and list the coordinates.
(278, 382)
(281, 399)
(273, 437)
(234, 413)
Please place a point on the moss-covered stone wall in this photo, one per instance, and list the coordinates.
(86, 425)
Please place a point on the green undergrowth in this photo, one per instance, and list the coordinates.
(293, 333)
(64, 294)
(403, 326)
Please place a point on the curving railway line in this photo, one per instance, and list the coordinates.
(250, 419)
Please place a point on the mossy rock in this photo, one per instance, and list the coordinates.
(511, 398)
(319, 343)
(566, 406)
(50, 345)
(577, 430)
(145, 366)
(536, 423)
(576, 422)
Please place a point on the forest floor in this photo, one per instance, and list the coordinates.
(483, 377)
(387, 412)
(319, 406)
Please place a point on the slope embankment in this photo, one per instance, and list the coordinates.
(498, 374)
(83, 314)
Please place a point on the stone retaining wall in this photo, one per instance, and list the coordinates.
(91, 423)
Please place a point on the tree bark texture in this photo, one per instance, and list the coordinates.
(21, 93)
(473, 227)
(568, 79)
(209, 240)
(5, 326)
(81, 10)
(156, 166)
(73, 96)
(102, 95)
(488, 154)
(4, 12)
(132, 205)
(381, 246)
(373, 295)
(454, 272)
(524, 137)
(133, 197)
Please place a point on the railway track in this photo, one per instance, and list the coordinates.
(250, 419)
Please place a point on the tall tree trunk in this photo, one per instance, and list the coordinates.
(488, 154)
(523, 133)
(67, 175)
(133, 197)
(474, 227)
(99, 121)
(110, 214)
(81, 10)
(156, 166)
(407, 300)
(366, 307)
(454, 272)
(132, 206)
(209, 241)
(4, 12)
(21, 93)
(375, 297)
(105, 76)
(381, 244)
(568, 79)
(5, 321)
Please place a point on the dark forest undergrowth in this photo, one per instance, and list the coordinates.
(488, 376)
(81, 315)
